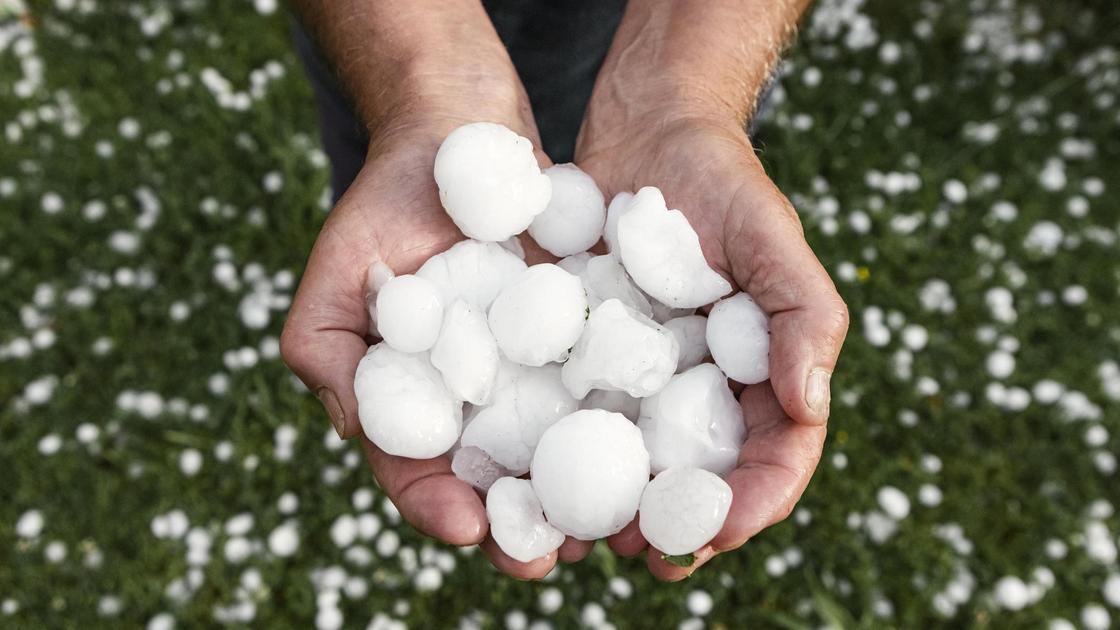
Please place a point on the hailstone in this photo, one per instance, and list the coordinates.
(472, 270)
(474, 466)
(573, 220)
(690, 332)
(604, 278)
(539, 316)
(682, 509)
(618, 205)
(466, 354)
(574, 264)
(517, 523)
(611, 400)
(409, 313)
(738, 335)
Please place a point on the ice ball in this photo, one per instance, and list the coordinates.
(573, 220)
(409, 313)
(466, 354)
(682, 509)
(539, 316)
(472, 270)
(739, 338)
(517, 523)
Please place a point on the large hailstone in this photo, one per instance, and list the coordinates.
(738, 335)
(683, 509)
(472, 270)
(489, 181)
(604, 278)
(573, 220)
(694, 421)
(589, 471)
(517, 523)
(404, 407)
(409, 313)
(662, 253)
(621, 349)
(619, 204)
(539, 316)
(691, 334)
(526, 401)
(466, 354)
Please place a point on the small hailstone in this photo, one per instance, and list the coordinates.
(428, 579)
(589, 471)
(517, 522)
(489, 181)
(604, 278)
(190, 462)
(1011, 593)
(682, 509)
(694, 421)
(691, 334)
(284, 540)
(894, 502)
(613, 400)
(1000, 364)
(472, 270)
(539, 316)
(617, 207)
(30, 524)
(466, 354)
(237, 549)
(621, 349)
(474, 466)
(573, 220)
(403, 404)
(699, 603)
(929, 495)
(409, 313)
(1095, 617)
(1111, 590)
(738, 335)
(662, 253)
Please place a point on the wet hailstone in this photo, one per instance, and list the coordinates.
(472, 270)
(466, 354)
(573, 220)
(604, 278)
(409, 313)
(682, 509)
(539, 315)
(517, 522)
(738, 335)
(691, 334)
(474, 466)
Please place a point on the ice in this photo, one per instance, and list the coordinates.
(604, 278)
(573, 220)
(575, 264)
(589, 471)
(527, 400)
(472, 270)
(616, 401)
(377, 275)
(694, 421)
(409, 313)
(739, 339)
(662, 253)
(619, 204)
(682, 509)
(466, 354)
(691, 334)
(621, 349)
(474, 466)
(539, 316)
(489, 181)
(404, 407)
(517, 523)
(662, 313)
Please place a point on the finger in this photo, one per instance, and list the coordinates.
(574, 550)
(429, 496)
(532, 570)
(628, 542)
(668, 572)
(775, 465)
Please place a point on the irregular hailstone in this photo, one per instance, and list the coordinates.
(466, 354)
(691, 334)
(619, 204)
(620, 349)
(574, 264)
(474, 466)
(409, 313)
(472, 270)
(489, 181)
(517, 523)
(694, 422)
(539, 316)
(573, 220)
(682, 509)
(616, 401)
(739, 337)
(662, 253)
(662, 313)
(589, 471)
(526, 401)
(604, 278)
(404, 407)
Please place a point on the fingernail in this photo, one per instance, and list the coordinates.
(816, 390)
(334, 410)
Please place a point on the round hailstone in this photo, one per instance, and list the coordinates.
(539, 316)
(616, 401)
(604, 278)
(466, 354)
(517, 523)
(662, 253)
(489, 181)
(694, 422)
(472, 270)
(589, 471)
(404, 407)
(573, 220)
(409, 313)
(682, 509)
(739, 338)
(474, 466)
(691, 334)
(619, 204)
(620, 349)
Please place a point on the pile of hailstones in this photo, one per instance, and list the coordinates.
(588, 374)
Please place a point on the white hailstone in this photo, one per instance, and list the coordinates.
(284, 540)
(955, 191)
(682, 509)
(517, 522)
(691, 334)
(573, 220)
(50, 444)
(30, 524)
(472, 465)
(613, 400)
(550, 600)
(1075, 295)
(409, 313)
(1056, 549)
(516, 620)
(1095, 617)
(1047, 391)
(190, 462)
(1044, 237)
(694, 421)
(699, 603)
(604, 278)
(929, 495)
(87, 432)
(162, 621)
(589, 471)
(618, 205)
(661, 252)
(539, 316)
(894, 502)
(880, 527)
(489, 181)
(1011, 593)
(237, 549)
(55, 552)
(328, 618)
(368, 526)
(344, 530)
(915, 337)
(1000, 364)
(1111, 590)
(526, 402)
(466, 354)
(621, 349)
(592, 615)
(403, 404)
(620, 587)
(428, 579)
(362, 499)
(388, 543)
(40, 390)
(738, 335)
(576, 263)
(1096, 435)
(472, 270)
(513, 245)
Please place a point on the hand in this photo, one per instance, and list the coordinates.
(750, 233)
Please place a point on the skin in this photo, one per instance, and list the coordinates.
(668, 109)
